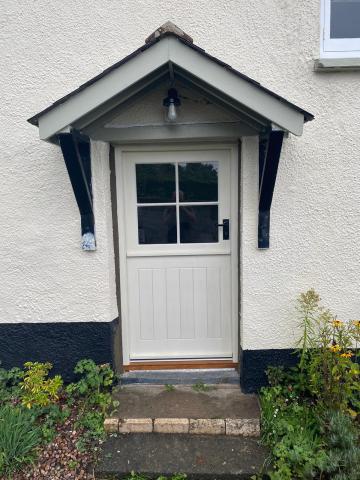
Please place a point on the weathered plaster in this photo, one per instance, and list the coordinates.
(48, 51)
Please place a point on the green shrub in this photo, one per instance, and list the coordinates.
(326, 358)
(292, 432)
(343, 447)
(308, 413)
(92, 393)
(9, 384)
(48, 406)
(50, 417)
(94, 383)
(92, 421)
(37, 388)
(19, 437)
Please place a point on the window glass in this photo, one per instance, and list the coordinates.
(345, 19)
(155, 183)
(157, 225)
(177, 222)
(198, 182)
(198, 224)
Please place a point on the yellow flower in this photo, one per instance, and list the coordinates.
(337, 323)
(347, 355)
(356, 323)
(335, 348)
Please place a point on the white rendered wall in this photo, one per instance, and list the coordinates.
(49, 48)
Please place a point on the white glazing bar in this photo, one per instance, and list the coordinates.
(156, 204)
(182, 204)
(177, 203)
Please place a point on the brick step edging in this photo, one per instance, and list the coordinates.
(245, 427)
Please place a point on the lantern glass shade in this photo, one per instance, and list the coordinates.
(171, 102)
(171, 113)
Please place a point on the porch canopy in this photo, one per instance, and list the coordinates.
(169, 57)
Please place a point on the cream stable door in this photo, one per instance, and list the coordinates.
(179, 295)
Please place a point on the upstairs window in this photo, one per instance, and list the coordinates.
(340, 29)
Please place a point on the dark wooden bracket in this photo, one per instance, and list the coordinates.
(76, 152)
(269, 156)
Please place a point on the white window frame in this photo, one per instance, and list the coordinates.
(335, 47)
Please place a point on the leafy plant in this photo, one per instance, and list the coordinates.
(92, 396)
(94, 383)
(19, 437)
(343, 447)
(201, 387)
(37, 388)
(73, 464)
(49, 406)
(292, 431)
(326, 357)
(9, 384)
(136, 476)
(177, 476)
(93, 423)
(51, 417)
(169, 387)
(308, 412)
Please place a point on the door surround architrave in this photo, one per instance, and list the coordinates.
(121, 246)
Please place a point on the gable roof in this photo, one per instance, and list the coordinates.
(182, 52)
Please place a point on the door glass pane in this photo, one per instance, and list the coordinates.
(198, 182)
(345, 19)
(198, 224)
(155, 183)
(157, 225)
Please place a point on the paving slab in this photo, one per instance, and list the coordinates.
(154, 401)
(198, 456)
(135, 425)
(171, 425)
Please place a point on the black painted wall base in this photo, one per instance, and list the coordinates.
(62, 344)
(253, 364)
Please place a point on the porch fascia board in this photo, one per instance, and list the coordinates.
(170, 50)
(107, 110)
(241, 90)
(102, 90)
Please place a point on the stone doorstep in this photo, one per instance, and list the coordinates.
(245, 427)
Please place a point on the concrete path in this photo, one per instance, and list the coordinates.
(210, 410)
(199, 457)
(154, 401)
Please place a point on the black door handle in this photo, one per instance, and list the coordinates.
(226, 228)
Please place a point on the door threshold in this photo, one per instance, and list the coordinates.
(180, 365)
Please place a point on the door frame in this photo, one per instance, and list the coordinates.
(122, 238)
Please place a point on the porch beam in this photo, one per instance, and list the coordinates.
(184, 132)
(75, 148)
(269, 156)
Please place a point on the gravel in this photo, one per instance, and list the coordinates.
(60, 459)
